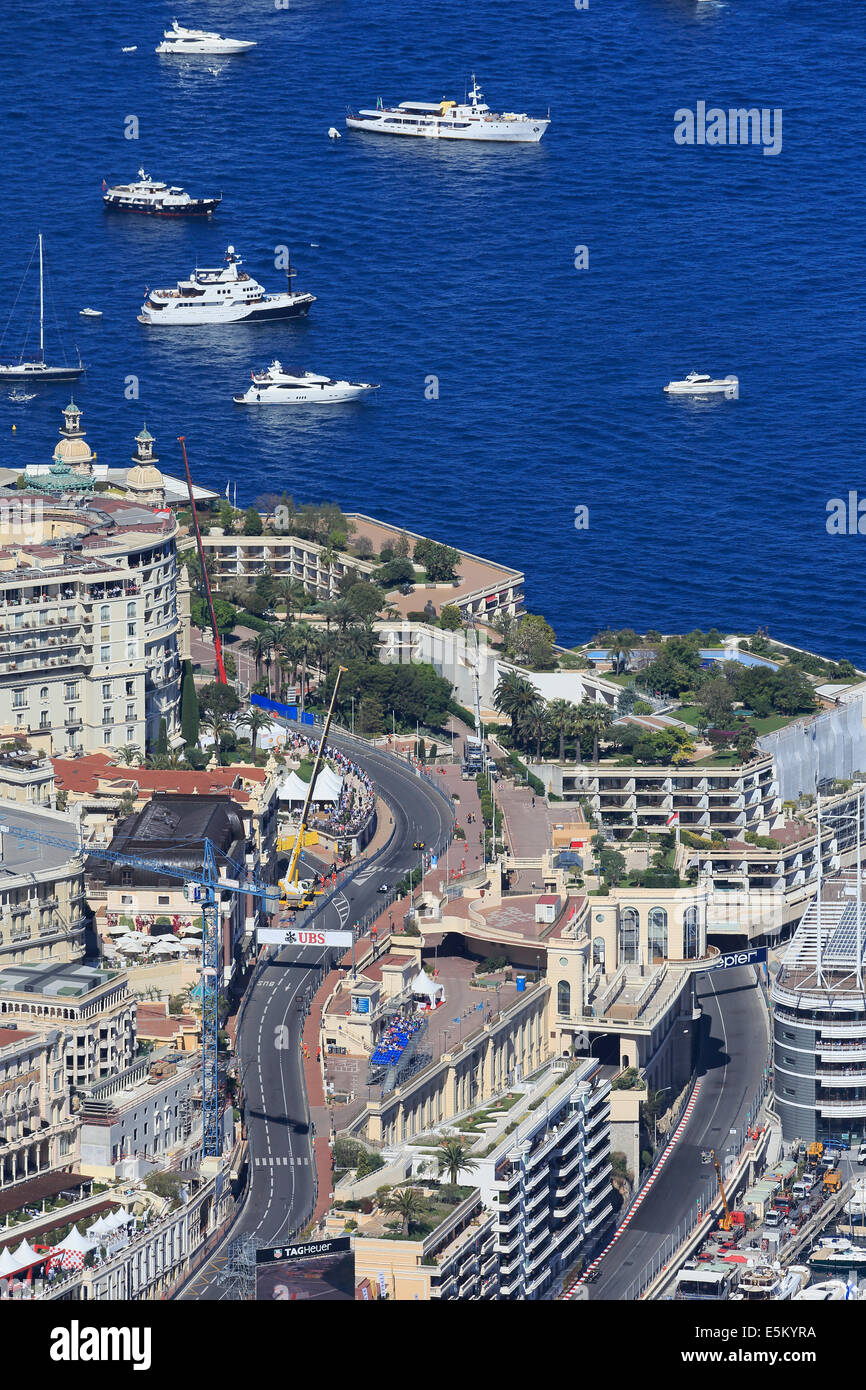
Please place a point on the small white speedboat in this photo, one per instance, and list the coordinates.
(133, 49)
(699, 384)
(279, 387)
(90, 313)
(178, 39)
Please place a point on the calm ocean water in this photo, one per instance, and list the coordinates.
(457, 262)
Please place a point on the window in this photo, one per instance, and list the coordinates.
(130, 687)
(106, 714)
(70, 690)
(126, 899)
(105, 653)
(104, 633)
(104, 613)
(106, 737)
(130, 711)
(106, 690)
(43, 694)
(629, 933)
(130, 610)
(563, 999)
(163, 899)
(130, 629)
(130, 735)
(598, 951)
(19, 699)
(658, 932)
(131, 650)
(43, 720)
(691, 934)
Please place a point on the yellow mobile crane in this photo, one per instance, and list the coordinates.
(295, 892)
(726, 1221)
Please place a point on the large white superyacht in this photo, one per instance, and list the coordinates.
(179, 39)
(223, 294)
(471, 119)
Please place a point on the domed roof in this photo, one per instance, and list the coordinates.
(73, 450)
(144, 476)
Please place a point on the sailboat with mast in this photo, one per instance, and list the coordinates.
(35, 368)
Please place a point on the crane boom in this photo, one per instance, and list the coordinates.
(217, 644)
(210, 883)
(288, 883)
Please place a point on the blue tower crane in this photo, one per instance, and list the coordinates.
(201, 888)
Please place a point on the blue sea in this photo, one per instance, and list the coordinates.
(458, 262)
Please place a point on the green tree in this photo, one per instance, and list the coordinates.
(439, 561)
(219, 727)
(371, 715)
(217, 698)
(515, 697)
(252, 522)
(592, 722)
(161, 745)
(408, 1204)
(561, 714)
(129, 754)
(188, 706)
(255, 719)
(532, 643)
(450, 618)
(455, 1158)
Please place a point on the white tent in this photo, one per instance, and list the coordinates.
(75, 1241)
(8, 1264)
(422, 984)
(98, 1228)
(167, 946)
(328, 787)
(117, 1219)
(25, 1255)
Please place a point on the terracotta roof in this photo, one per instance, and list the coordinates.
(84, 775)
(8, 1036)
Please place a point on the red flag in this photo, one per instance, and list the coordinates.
(104, 185)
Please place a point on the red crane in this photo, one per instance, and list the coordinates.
(221, 670)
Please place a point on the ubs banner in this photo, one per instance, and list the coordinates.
(319, 1269)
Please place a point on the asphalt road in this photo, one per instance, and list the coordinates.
(281, 1185)
(731, 1061)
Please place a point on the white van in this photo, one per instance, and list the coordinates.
(861, 1153)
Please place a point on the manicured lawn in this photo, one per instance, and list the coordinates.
(770, 722)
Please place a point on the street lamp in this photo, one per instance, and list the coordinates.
(353, 716)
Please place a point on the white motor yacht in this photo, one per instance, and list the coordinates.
(831, 1290)
(224, 294)
(90, 313)
(178, 39)
(276, 386)
(146, 195)
(699, 384)
(471, 119)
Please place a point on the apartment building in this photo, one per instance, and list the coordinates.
(819, 1020)
(455, 1261)
(37, 1129)
(93, 623)
(549, 1185)
(239, 559)
(43, 911)
(90, 1006)
(139, 1120)
(26, 776)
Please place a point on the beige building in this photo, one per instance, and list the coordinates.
(455, 1261)
(43, 913)
(26, 776)
(37, 1131)
(90, 1007)
(94, 622)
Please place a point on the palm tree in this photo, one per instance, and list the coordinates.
(454, 1158)
(535, 727)
(305, 640)
(254, 719)
(408, 1203)
(129, 754)
(592, 718)
(561, 715)
(515, 696)
(622, 647)
(260, 648)
(217, 725)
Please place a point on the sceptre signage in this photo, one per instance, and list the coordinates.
(731, 959)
